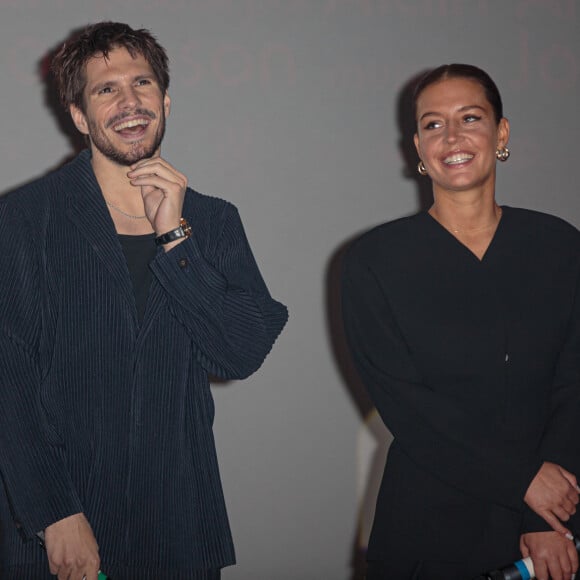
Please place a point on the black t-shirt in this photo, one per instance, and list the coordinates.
(139, 251)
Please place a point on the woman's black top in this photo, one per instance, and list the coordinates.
(474, 365)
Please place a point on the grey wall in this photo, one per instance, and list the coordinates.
(291, 109)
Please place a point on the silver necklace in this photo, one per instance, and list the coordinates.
(133, 217)
(491, 225)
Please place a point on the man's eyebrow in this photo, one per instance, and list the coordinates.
(145, 75)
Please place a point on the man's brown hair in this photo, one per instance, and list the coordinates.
(69, 63)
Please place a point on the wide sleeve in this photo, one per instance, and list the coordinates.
(224, 304)
(561, 440)
(420, 418)
(35, 478)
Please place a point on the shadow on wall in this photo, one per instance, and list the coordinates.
(374, 438)
(62, 117)
(53, 104)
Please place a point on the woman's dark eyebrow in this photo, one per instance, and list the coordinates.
(465, 108)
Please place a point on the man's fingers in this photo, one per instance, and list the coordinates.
(157, 168)
(158, 182)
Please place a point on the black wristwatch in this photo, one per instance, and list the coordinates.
(183, 231)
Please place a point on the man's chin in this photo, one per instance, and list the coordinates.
(126, 154)
(126, 159)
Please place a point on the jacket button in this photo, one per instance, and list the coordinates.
(183, 263)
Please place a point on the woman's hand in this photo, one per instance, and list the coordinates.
(553, 555)
(553, 495)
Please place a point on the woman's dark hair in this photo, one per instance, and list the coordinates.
(464, 71)
(69, 63)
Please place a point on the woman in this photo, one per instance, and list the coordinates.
(464, 323)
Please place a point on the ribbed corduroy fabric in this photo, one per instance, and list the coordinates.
(100, 414)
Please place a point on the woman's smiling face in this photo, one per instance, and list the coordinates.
(458, 135)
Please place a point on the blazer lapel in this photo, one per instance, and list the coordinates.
(87, 210)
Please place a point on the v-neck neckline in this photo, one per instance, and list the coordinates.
(438, 226)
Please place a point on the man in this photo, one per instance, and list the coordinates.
(122, 290)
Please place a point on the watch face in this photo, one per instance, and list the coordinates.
(185, 227)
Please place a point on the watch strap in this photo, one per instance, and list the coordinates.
(183, 231)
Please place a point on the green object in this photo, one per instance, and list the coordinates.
(101, 576)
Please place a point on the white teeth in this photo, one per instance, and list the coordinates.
(458, 158)
(132, 123)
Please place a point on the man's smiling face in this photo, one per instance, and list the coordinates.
(125, 111)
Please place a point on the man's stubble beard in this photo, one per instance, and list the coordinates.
(138, 150)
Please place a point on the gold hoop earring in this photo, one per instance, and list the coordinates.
(421, 168)
(502, 153)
